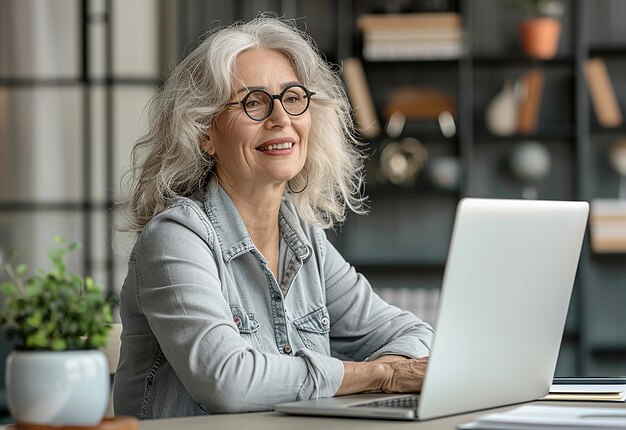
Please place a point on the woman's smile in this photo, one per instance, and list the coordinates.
(277, 147)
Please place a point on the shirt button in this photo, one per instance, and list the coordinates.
(325, 321)
(287, 349)
(277, 298)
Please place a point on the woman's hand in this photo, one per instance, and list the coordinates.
(390, 375)
(404, 376)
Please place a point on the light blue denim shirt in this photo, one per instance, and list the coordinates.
(208, 329)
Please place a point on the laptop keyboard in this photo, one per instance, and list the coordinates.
(409, 402)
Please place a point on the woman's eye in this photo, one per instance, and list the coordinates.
(252, 103)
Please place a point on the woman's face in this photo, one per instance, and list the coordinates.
(241, 145)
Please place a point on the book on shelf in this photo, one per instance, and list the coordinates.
(412, 51)
(608, 210)
(360, 98)
(528, 113)
(413, 35)
(551, 417)
(602, 93)
(608, 244)
(433, 20)
(607, 225)
(419, 102)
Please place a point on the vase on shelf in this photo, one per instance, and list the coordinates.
(540, 37)
(540, 31)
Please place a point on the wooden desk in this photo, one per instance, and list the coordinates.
(276, 421)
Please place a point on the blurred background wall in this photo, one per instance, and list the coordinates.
(75, 76)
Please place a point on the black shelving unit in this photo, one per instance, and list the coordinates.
(407, 232)
(565, 126)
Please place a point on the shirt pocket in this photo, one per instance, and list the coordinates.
(314, 329)
(247, 325)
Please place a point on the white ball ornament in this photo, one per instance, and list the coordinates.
(530, 161)
(617, 157)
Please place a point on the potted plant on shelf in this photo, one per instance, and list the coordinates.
(56, 375)
(539, 33)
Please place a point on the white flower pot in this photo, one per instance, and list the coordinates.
(57, 388)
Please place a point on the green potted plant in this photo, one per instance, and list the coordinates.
(56, 375)
(540, 31)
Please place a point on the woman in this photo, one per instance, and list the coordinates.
(234, 299)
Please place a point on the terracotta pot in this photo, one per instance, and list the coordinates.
(540, 37)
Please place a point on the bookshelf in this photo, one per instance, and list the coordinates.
(403, 242)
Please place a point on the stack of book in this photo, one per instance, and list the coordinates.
(411, 36)
(588, 389)
(608, 225)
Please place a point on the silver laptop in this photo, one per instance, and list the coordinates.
(505, 294)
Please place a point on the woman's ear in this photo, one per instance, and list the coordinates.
(207, 143)
(209, 148)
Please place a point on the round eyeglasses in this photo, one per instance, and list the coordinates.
(259, 104)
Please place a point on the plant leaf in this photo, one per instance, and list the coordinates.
(21, 270)
(55, 309)
(58, 344)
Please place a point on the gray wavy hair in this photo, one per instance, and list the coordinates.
(168, 161)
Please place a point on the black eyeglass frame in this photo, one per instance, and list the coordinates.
(307, 94)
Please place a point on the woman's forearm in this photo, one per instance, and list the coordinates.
(396, 374)
(361, 376)
(387, 358)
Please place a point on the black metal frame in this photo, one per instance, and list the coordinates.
(87, 207)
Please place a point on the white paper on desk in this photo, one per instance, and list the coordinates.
(551, 417)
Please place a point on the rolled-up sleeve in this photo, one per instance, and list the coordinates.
(364, 327)
(179, 291)
(324, 378)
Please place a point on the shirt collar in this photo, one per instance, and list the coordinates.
(231, 232)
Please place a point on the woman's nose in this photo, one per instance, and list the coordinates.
(279, 116)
